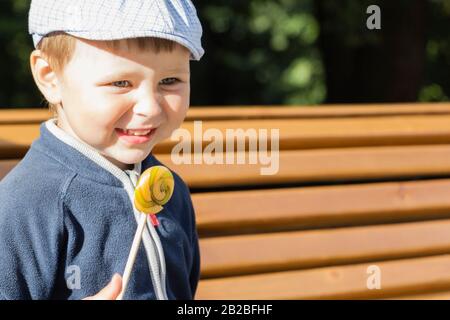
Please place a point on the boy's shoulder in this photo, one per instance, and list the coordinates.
(35, 182)
(35, 171)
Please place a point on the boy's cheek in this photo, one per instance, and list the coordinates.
(176, 107)
(176, 110)
(164, 133)
(174, 120)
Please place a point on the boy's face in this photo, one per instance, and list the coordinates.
(104, 92)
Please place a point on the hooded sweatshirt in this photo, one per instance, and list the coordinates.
(67, 222)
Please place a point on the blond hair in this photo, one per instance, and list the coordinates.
(58, 49)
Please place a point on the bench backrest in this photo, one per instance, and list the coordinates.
(360, 190)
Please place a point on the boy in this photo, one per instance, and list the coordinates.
(116, 73)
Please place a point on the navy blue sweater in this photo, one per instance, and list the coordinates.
(64, 216)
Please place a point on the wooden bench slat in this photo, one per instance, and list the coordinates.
(22, 116)
(325, 206)
(323, 165)
(294, 133)
(37, 115)
(445, 295)
(341, 282)
(6, 166)
(343, 132)
(248, 254)
(332, 110)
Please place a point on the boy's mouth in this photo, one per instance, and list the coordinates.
(135, 136)
(136, 132)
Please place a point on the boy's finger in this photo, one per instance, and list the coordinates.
(111, 291)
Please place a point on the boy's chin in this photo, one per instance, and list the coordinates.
(127, 161)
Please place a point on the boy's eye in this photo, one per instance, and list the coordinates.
(169, 81)
(121, 83)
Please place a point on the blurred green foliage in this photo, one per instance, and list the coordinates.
(257, 52)
(17, 88)
(437, 79)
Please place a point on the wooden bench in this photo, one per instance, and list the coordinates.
(357, 187)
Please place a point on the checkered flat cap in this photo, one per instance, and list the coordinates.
(174, 20)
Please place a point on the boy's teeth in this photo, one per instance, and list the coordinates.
(137, 132)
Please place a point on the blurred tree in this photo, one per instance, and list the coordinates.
(436, 85)
(259, 52)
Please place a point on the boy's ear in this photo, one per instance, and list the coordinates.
(45, 77)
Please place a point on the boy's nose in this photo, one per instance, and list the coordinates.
(149, 106)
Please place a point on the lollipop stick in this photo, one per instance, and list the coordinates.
(132, 255)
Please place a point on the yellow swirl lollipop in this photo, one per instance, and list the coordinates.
(153, 189)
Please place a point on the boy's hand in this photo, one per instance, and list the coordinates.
(111, 291)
